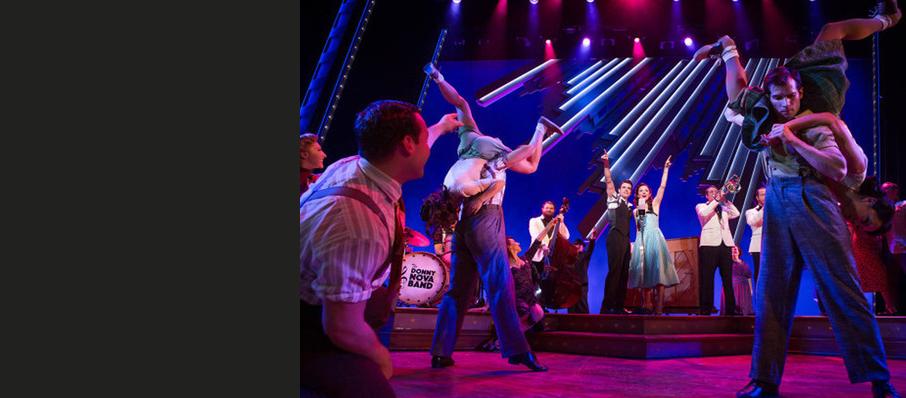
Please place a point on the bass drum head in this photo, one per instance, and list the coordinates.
(424, 279)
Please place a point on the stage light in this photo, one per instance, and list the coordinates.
(548, 41)
(586, 42)
(533, 1)
(636, 40)
(456, 1)
(687, 41)
(590, 1)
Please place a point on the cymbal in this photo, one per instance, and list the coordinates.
(414, 238)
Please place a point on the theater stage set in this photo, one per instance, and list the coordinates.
(614, 75)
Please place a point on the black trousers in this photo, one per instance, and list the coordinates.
(709, 258)
(328, 371)
(618, 255)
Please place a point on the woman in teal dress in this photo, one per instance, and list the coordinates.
(651, 267)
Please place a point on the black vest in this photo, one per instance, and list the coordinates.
(621, 219)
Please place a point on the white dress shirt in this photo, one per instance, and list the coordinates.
(535, 227)
(613, 201)
(755, 217)
(716, 230)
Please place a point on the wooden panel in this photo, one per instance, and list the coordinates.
(643, 346)
(647, 324)
(682, 298)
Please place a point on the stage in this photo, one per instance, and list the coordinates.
(626, 355)
(482, 374)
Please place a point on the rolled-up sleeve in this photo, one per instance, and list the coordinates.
(348, 252)
(348, 272)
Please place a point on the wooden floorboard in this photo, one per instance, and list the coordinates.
(487, 375)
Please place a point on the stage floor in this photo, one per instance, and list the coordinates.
(481, 374)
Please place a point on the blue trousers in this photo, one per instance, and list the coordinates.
(803, 227)
(479, 249)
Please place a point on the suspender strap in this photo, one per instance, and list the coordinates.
(350, 193)
(382, 300)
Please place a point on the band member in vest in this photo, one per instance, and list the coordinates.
(618, 215)
(536, 226)
(754, 219)
(345, 253)
(311, 157)
(714, 249)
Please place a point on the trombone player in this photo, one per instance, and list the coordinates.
(715, 246)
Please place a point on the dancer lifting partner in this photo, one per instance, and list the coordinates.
(803, 164)
(479, 241)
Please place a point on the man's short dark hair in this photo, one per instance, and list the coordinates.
(382, 125)
(548, 202)
(779, 76)
(626, 182)
(307, 140)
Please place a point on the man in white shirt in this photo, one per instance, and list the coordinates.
(715, 249)
(754, 217)
(537, 225)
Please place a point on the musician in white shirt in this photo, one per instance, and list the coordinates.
(715, 249)
(754, 217)
(537, 225)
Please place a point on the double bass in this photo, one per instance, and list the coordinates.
(560, 286)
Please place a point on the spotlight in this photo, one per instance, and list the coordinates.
(456, 1)
(636, 40)
(687, 41)
(533, 1)
(548, 41)
(586, 42)
(590, 1)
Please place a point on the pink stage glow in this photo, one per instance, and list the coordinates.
(638, 52)
(549, 50)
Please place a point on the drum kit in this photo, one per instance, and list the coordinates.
(425, 276)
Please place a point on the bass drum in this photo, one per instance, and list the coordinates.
(424, 279)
